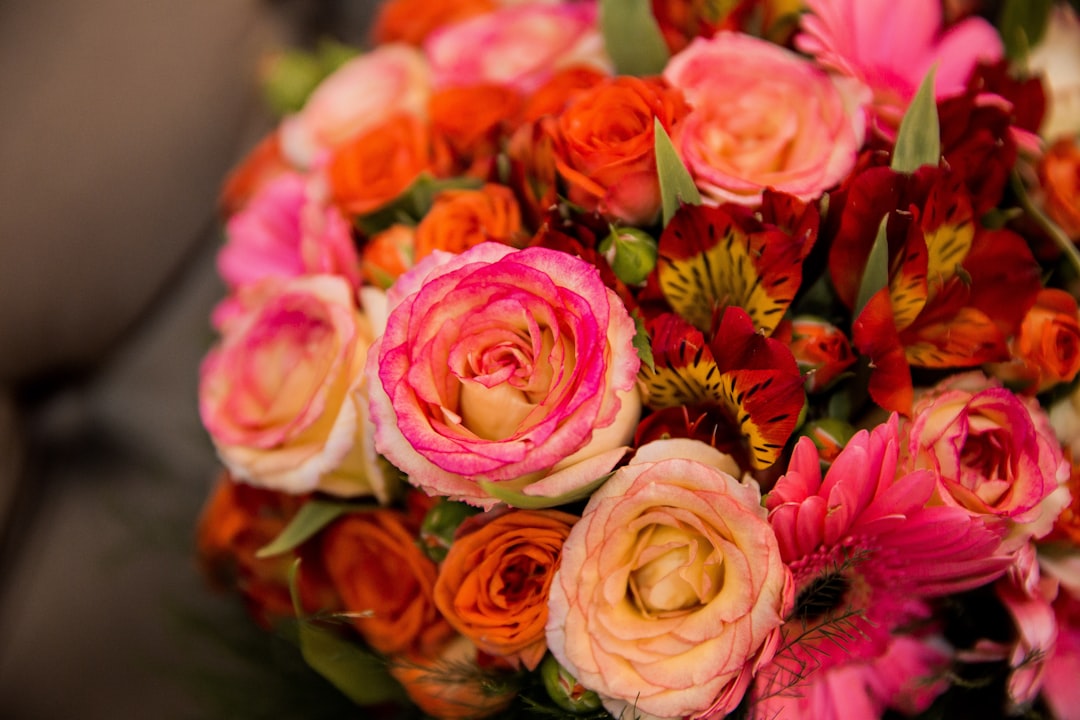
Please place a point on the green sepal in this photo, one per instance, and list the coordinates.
(312, 517)
(359, 674)
(918, 141)
(291, 76)
(676, 184)
(522, 501)
(1022, 24)
(642, 342)
(876, 273)
(632, 37)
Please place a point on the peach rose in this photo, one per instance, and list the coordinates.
(385, 579)
(282, 393)
(605, 147)
(993, 453)
(374, 168)
(361, 94)
(520, 46)
(493, 585)
(671, 589)
(514, 367)
(461, 219)
(763, 117)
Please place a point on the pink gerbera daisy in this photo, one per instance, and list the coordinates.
(890, 46)
(865, 552)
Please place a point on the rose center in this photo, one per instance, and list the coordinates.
(985, 456)
(676, 570)
(521, 578)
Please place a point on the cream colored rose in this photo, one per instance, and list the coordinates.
(671, 587)
(1057, 59)
(361, 94)
(282, 395)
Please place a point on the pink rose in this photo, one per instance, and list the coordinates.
(993, 453)
(671, 588)
(502, 365)
(283, 232)
(281, 394)
(360, 95)
(520, 46)
(763, 117)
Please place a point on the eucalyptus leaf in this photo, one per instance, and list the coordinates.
(1022, 24)
(357, 673)
(676, 184)
(918, 141)
(522, 501)
(632, 37)
(312, 517)
(876, 274)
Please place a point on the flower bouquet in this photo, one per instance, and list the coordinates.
(663, 359)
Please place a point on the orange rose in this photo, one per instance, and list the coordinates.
(375, 167)
(1047, 349)
(450, 685)
(460, 219)
(236, 522)
(386, 256)
(551, 97)
(493, 585)
(373, 561)
(468, 124)
(410, 21)
(604, 146)
(1059, 173)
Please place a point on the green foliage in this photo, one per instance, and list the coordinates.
(311, 518)
(918, 141)
(632, 37)
(876, 273)
(520, 500)
(676, 184)
(291, 76)
(1022, 24)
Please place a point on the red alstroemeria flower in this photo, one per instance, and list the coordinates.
(956, 292)
(711, 258)
(751, 379)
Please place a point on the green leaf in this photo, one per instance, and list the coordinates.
(676, 184)
(632, 37)
(312, 517)
(522, 501)
(1022, 24)
(356, 672)
(918, 142)
(876, 274)
(412, 204)
(290, 77)
(642, 342)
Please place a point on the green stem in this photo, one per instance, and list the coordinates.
(1049, 226)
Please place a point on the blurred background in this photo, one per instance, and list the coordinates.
(118, 122)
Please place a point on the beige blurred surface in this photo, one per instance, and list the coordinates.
(118, 121)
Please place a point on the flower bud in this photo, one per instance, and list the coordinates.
(631, 254)
(829, 436)
(439, 525)
(821, 350)
(564, 688)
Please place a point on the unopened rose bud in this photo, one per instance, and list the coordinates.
(631, 254)
(564, 688)
(821, 350)
(439, 525)
(829, 436)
